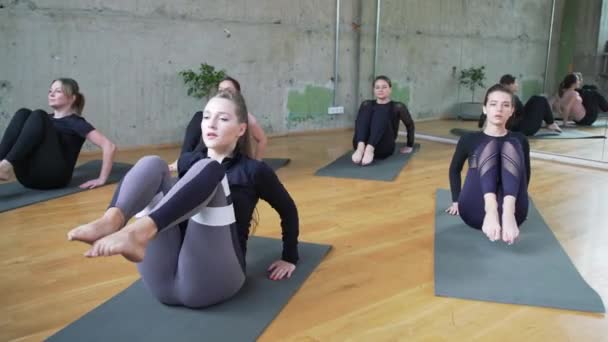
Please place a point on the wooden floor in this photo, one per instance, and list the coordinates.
(375, 285)
(594, 149)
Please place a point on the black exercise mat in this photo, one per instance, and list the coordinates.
(135, 315)
(380, 170)
(14, 195)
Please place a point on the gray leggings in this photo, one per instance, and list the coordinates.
(203, 265)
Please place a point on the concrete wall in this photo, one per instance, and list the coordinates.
(126, 56)
(425, 44)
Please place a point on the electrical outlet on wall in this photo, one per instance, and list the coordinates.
(335, 110)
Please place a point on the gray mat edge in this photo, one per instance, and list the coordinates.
(439, 208)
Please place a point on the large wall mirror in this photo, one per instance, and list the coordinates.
(425, 46)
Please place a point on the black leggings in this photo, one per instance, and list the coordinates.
(593, 102)
(32, 145)
(536, 110)
(374, 130)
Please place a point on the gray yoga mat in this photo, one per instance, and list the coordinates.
(599, 123)
(135, 315)
(533, 271)
(14, 195)
(276, 163)
(380, 170)
(568, 133)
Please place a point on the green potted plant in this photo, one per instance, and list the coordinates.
(471, 78)
(202, 83)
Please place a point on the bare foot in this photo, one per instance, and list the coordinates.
(6, 170)
(130, 242)
(110, 222)
(554, 127)
(173, 166)
(368, 155)
(510, 230)
(358, 154)
(491, 225)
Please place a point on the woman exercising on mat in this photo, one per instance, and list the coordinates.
(581, 105)
(494, 197)
(377, 125)
(41, 149)
(201, 261)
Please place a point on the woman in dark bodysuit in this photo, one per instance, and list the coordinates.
(494, 197)
(377, 125)
(41, 149)
(200, 262)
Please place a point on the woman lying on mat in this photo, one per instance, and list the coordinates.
(193, 132)
(527, 119)
(41, 149)
(189, 242)
(494, 197)
(377, 125)
(581, 105)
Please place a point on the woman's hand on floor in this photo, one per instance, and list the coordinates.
(453, 209)
(93, 183)
(280, 269)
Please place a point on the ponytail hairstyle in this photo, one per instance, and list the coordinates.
(70, 87)
(243, 145)
(568, 81)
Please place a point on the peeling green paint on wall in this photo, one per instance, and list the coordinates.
(309, 105)
(400, 94)
(529, 88)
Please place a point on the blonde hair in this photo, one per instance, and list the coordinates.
(70, 87)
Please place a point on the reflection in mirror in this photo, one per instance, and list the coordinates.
(443, 55)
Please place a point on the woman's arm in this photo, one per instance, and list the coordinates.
(406, 118)
(458, 159)
(257, 133)
(271, 190)
(108, 150)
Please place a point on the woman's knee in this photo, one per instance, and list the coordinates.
(153, 161)
(23, 112)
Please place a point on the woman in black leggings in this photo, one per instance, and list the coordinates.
(377, 125)
(583, 105)
(528, 118)
(41, 149)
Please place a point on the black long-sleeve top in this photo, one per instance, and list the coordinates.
(466, 148)
(250, 180)
(400, 112)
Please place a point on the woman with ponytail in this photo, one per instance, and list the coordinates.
(41, 149)
(581, 105)
(190, 240)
